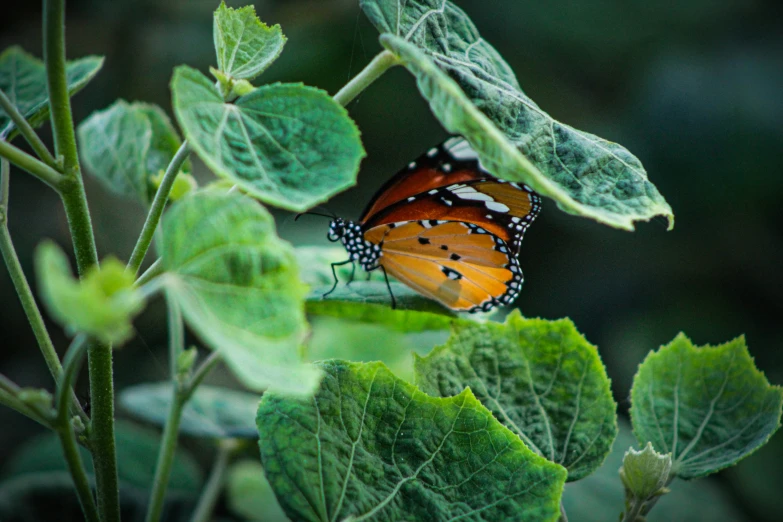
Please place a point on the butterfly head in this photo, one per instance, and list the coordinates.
(337, 229)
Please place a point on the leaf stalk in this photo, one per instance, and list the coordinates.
(26, 130)
(157, 207)
(374, 70)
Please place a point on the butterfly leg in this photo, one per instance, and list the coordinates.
(353, 273)
(388, 286)
(334, 274)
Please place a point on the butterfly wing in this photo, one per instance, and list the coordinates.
(451, 162)
(504, 209)
(458, 264)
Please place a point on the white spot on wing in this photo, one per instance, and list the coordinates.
(497, 207)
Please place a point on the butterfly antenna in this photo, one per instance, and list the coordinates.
(314, 214)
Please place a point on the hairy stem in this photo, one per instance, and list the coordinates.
(24, 161)
(74, 199)
(73, 361)
(211, 492)
(24, 291)
(27, 131)
(157, 207)
(166, 454)
(379, 65)
(151, 273)
(180, 394)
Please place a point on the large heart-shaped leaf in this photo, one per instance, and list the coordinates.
(540, 378)
(473, 92)
(370, 446)
(23, 80)
(708, 406)
(286, 144)
(238, 286)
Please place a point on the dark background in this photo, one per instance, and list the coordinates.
(692, 88)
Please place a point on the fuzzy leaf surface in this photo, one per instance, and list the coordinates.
(23, 80)
(370, 446)
(244, 45)
(126, 145)
(709, 406)
(288, 145)
(473, 92)
(540, 378)
(239, 288)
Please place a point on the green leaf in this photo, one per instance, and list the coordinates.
(211, 412)
(126, 145)
(137, 451)
(540, 378)
(370, 302)
(103, 304)
(23, 80)
(238, 286)
(599, 497)
(473, 92)
(244, 45)
(286, 144)
(371, 446)
(249, 494)
(645, 473)
(708, 406)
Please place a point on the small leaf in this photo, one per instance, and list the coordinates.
(126, 145)
(473, 92)
(137, 453)
(708, 406)
(244, 45)
(646, 472)
(288, 145)
(371, 446)
(238, 286)
(102, 304)
(540, 378)
(249, 495)
(212, 412)
(23, 80)
(599, 497)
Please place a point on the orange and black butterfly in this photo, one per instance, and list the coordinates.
(446, 228)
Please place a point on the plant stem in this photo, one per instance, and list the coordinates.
(379, 65)
(27, 131)
(24, 291)
(165, 456)
(151, 273)
(563, 515)
(75, 201)
(176, 335)
(202, 371)
(180, 394)
(73, 361)
(211, 492)
(9, 396)
(29, 164)
(157, 207)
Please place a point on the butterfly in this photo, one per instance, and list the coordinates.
(446, 228)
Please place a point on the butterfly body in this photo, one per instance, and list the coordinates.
(447, 228)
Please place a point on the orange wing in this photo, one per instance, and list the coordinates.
(502, 208)
(458, 264)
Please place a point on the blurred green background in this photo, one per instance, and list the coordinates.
(692, 88)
